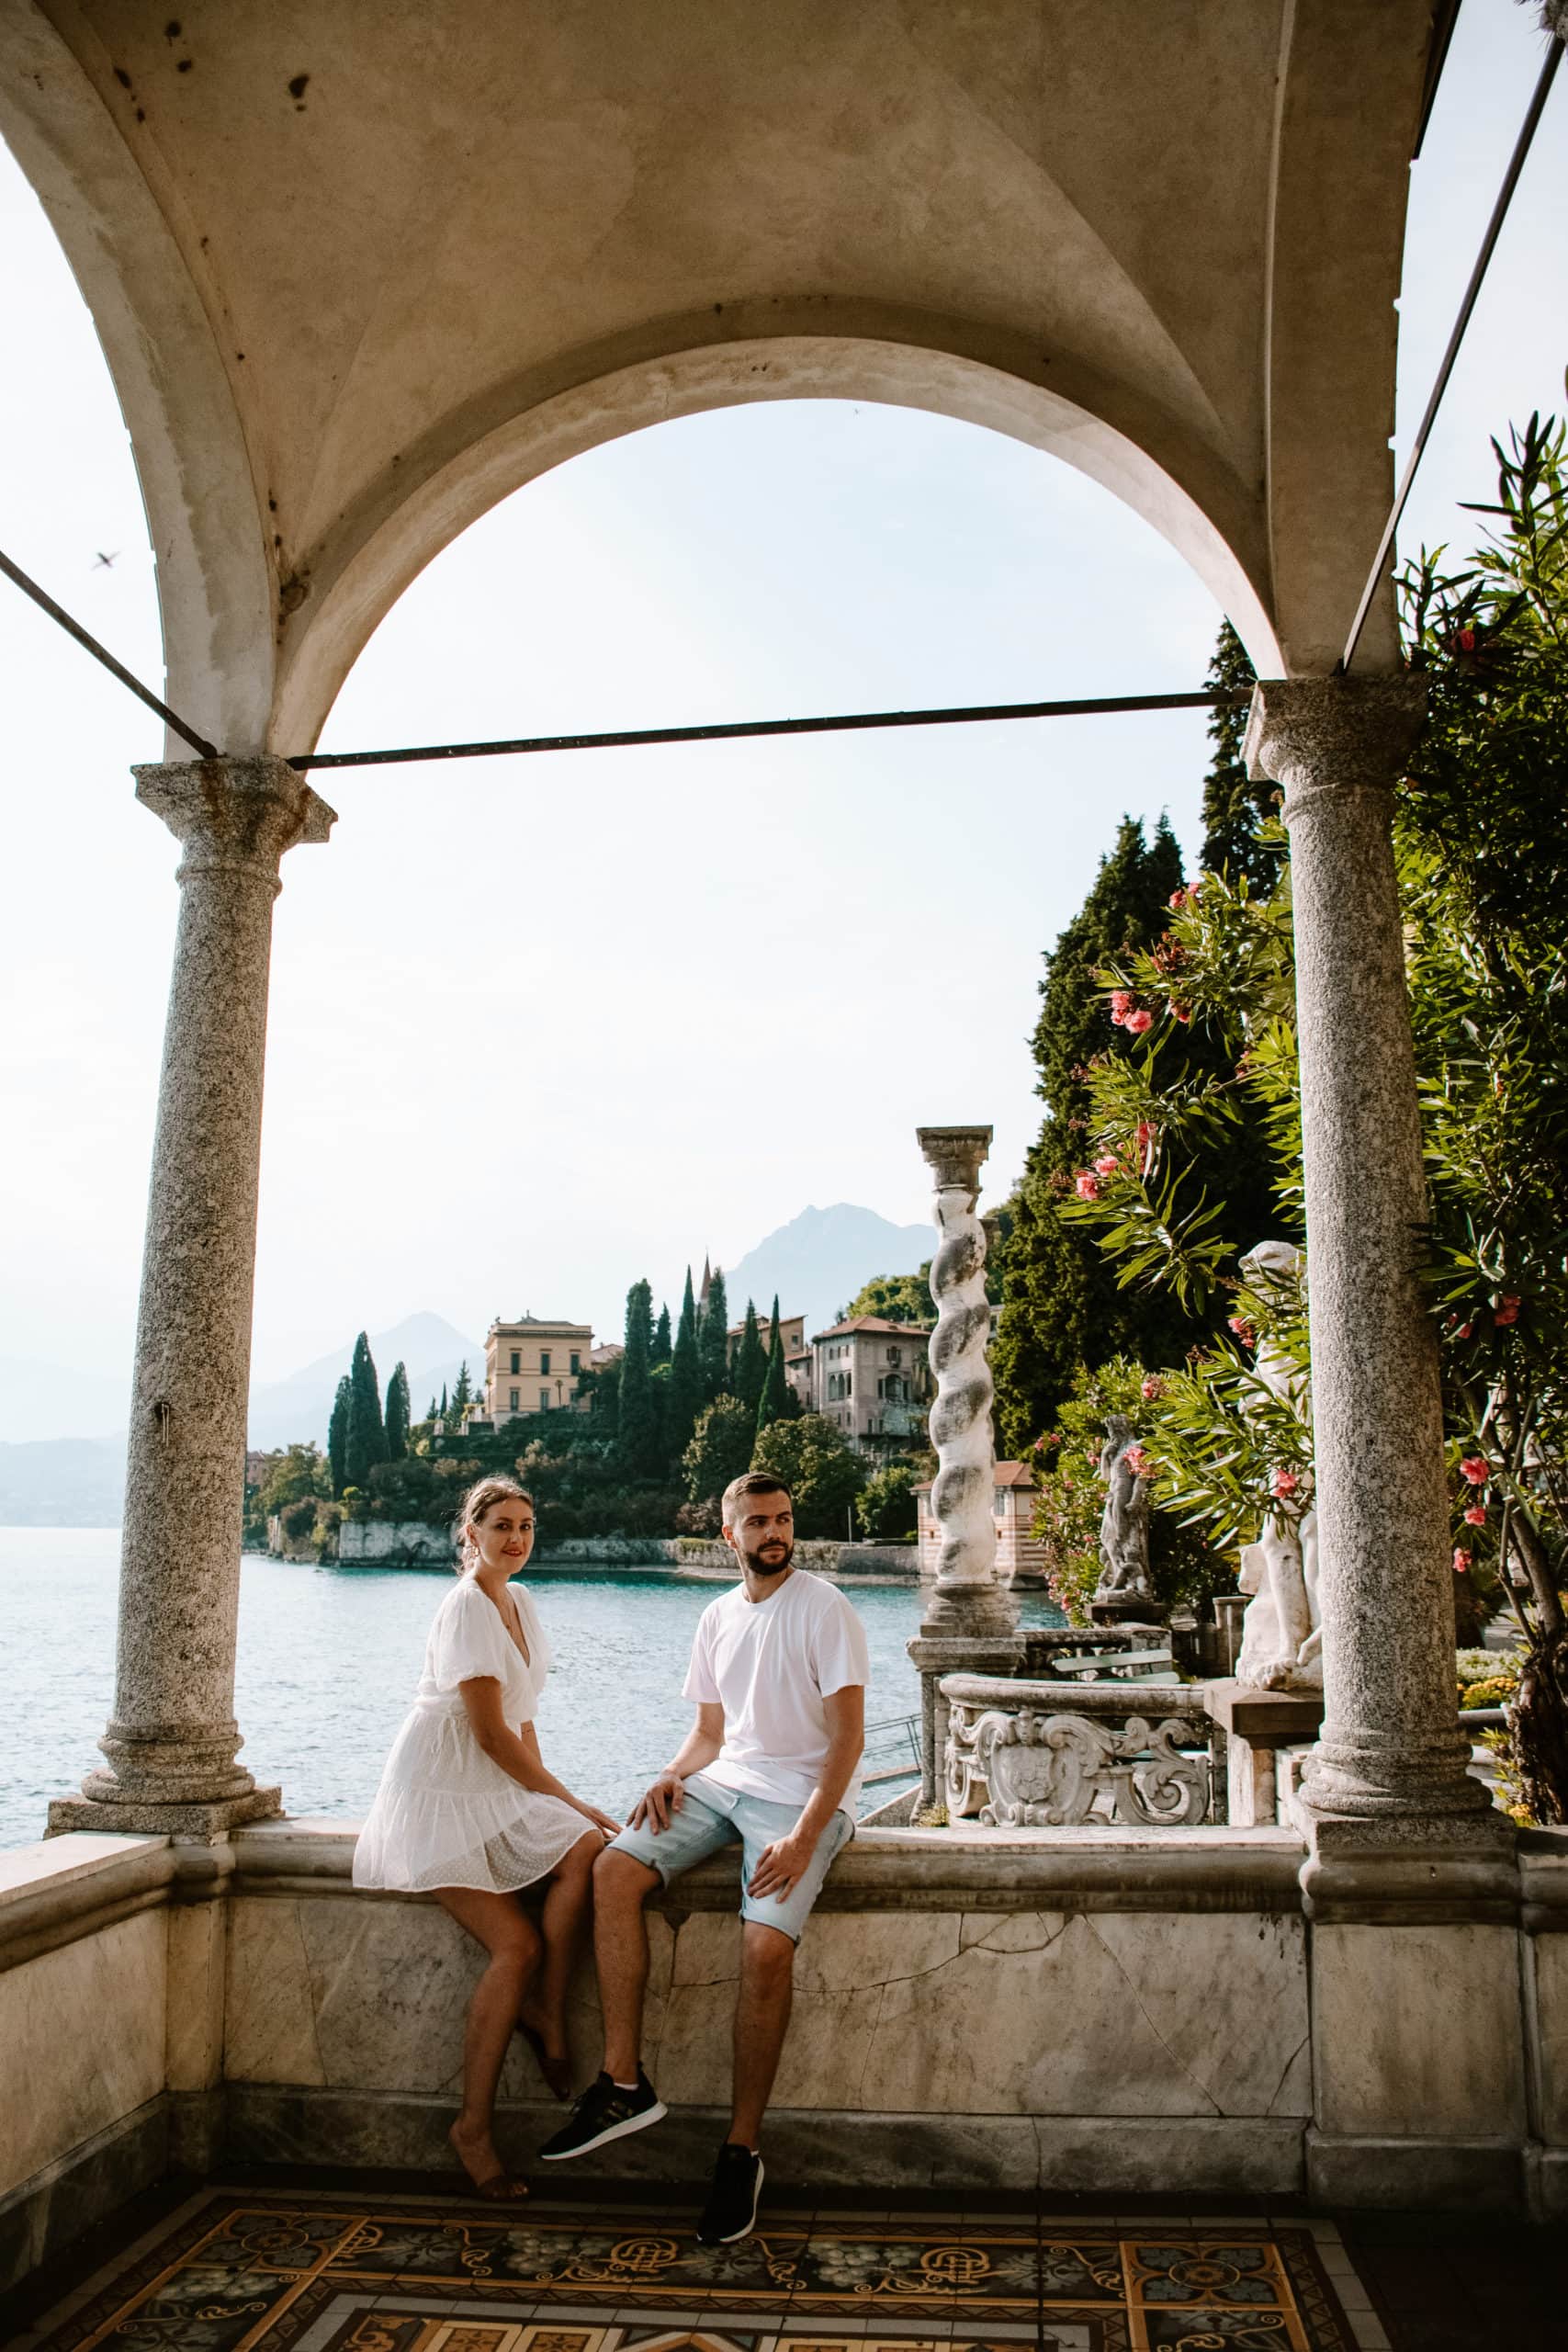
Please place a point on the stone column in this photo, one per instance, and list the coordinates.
(171, 1741)
(1391, 1764)
(967, 1599)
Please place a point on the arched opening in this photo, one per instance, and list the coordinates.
(357, 575)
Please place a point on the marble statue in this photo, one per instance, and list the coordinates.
(1281, 1635)
(1124, 1522)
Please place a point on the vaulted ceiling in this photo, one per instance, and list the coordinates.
(360, 270)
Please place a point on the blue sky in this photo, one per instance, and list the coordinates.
(540, 1027)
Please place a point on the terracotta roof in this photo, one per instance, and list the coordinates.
(877, 1323)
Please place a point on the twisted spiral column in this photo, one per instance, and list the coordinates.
(967, 1599)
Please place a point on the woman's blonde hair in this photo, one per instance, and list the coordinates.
(475, 1508)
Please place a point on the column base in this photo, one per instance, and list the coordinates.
(163, 1817)
(968, 1613)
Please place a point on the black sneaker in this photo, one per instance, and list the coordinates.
(731, 2209)
(605, 2112)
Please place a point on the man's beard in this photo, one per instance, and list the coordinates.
(773, 1564)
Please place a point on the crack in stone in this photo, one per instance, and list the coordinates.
(1006, 1952)
(1148, 2021)
(871, 2046)
(1285, 2069)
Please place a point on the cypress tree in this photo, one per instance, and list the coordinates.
(636, 1435)
(397, 1414)
(444, 1405)
(685, 1399)
(774, 1403)
(1233, 806)
(463, 1394)
(367, 1441)
(713, 1339)
(337, 1437)
(432, 1413)
(660, 1351)
(751, 1363)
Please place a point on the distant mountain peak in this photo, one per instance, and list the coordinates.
(821, 1257)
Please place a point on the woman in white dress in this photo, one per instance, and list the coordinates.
(468, 1811)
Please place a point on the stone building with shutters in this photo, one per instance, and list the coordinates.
(536, 1365)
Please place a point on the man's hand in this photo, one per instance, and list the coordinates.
(663, 1800)
(779, 1864)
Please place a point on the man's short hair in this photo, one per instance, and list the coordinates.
(750, 1481)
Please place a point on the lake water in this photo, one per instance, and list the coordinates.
(328, 1660)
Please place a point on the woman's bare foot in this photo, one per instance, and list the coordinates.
(475, 2150)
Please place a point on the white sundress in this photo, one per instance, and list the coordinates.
(445, 1814)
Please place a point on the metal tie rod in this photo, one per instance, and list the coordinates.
(46, 602)
(1418, 448)
(729, 731)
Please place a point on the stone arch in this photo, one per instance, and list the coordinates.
(1162, 472)
(215, 585)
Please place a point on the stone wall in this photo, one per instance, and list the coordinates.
(983, 2009)
(1182, 2011)
(394, 1544)
(83, 1998)
(414, 1543)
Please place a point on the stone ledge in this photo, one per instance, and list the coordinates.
(43, 2215)
(62, 1888)
(1205, 1869)
(1410, 2175)
(807, 2148)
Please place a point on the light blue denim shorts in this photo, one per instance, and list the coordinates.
(711, 1815)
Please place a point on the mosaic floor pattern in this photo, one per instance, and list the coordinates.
(237, 2272)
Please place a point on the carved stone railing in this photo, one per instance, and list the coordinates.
(1047, 1754)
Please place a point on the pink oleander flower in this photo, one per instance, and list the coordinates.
(1120, 1004)
(1091, 1457)
(1285, 1484)
(1177, 899)
(1153, 1386)
(1146, 1135)
(1087, 1186)
(1476, 1515)
(1462, 1560)
(1138, 1462)
(1107, 1164)
(1505, 1311)
(1182, 1012)
(1136, 1022)
(1475, 1468)
(1242, 1330)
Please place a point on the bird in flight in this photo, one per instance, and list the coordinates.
(105, 563)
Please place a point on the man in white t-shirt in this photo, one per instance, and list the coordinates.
(778, 1676)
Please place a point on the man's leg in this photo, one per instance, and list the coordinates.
(621, 1886)
(761, 2020)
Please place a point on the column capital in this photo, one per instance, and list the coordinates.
(240, 813)
(954, 1156)
(1324, 736)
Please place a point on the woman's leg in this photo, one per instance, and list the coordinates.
(498, 1922)
(566, 1908)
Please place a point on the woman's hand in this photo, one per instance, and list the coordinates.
(604, 1821)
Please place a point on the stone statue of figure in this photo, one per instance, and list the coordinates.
(1124, 1522)
(1281, 1635)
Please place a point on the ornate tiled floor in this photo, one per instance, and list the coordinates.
(234, 2270)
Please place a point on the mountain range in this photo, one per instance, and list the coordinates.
(816, 1263)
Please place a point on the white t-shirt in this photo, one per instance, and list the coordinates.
(770, 1664)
